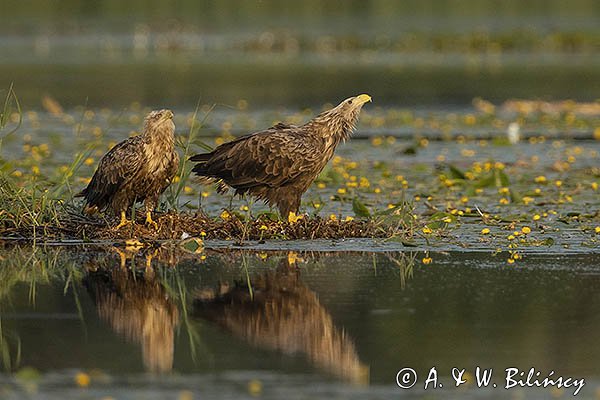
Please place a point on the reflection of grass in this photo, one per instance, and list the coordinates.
(405, 263)
(31, 266)
(11, 358)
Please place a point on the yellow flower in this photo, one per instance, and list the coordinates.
(511, 237)
(510, 261)
(321, 185)
(332, 217)
(464, 199)
(540, 179)
(504, 190)
(203, 234)
(348, 219)
(504, 201)
(485, 231)
(377, 141)
(527, 200)
(377, 190)
(427, 260)
(263, 228)
(89, 161)
(225, 215)
(526, 230)
(426, 230)
(558, 183)
(341, 191)
(293, 218)
(255, 387)
(597, 229)
(595, 185)
(82, 379)
(536, 217)
(470, 119)
(188, 189)
(205, 194)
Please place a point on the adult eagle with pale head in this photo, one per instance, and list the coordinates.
(278, 165)
(138, 169)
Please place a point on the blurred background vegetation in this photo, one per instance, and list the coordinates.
(300, 53)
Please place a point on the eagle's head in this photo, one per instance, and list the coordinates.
(341, 120)
(350, 108)
(159, 121)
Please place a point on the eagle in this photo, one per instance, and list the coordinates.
(138, 169)
(277, 165)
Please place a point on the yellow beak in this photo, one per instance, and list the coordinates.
(363, 98)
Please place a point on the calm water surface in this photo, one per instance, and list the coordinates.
(295, 325)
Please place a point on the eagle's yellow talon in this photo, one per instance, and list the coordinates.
(124, 222)
(149, 220)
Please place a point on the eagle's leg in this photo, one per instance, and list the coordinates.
(150, 221)
(149, 205)
(124, 221)
(289, 203)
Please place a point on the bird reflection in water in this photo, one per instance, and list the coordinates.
(135, 305)
(277, 311)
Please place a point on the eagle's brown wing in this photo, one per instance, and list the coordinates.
(121, 164)
(273, 158)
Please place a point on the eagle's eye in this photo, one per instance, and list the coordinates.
(349, 101)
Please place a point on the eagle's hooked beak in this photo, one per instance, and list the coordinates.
(363, 98)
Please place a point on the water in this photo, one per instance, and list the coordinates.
(311, 324)
(301, 55)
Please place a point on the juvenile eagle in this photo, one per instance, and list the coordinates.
(278, 165)
(135, 170)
